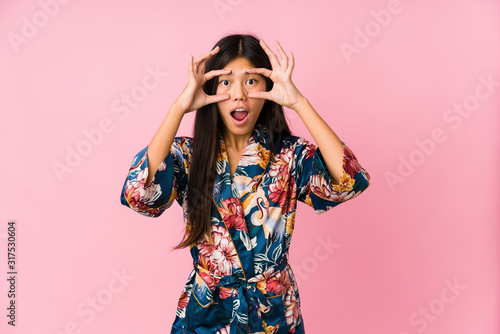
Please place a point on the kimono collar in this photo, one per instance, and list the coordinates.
(259, 134)
(250, 169)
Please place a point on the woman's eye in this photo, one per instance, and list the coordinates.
(224, 82)
(251, 81)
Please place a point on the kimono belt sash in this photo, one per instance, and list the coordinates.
(250, 301)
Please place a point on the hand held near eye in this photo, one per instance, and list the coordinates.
(284, 91)
(193, 97)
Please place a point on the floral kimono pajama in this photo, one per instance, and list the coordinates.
(241, 281)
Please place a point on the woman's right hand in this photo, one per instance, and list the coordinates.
(193, 97)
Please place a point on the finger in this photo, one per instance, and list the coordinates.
(260, 95)
(215, 73)
(284, 58)
(291, 63)
(207, 56)
(216, 98)
(264, 71)
(270, 54)
(190, 66)
(202, 61)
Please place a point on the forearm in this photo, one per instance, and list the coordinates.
(160, 145)
(328, 142)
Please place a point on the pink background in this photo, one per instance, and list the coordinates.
(394, 251)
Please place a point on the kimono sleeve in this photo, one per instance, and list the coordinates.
(315, 186)
(168, 183)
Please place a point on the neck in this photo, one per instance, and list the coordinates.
(236, 142)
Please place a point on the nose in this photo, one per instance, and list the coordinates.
(238, 92)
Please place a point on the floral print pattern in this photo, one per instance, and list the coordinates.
(220, 254)
(232, 213)
(241, 281)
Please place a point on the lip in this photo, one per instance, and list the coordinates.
(239, 107)
(243, 120)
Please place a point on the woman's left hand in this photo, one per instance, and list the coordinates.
(284, 91)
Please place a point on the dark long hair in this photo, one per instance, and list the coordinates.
(208, 127)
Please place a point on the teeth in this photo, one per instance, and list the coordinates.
(239, 109)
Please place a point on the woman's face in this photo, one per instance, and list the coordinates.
(240, 113)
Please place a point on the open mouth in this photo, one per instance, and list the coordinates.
(239, 114)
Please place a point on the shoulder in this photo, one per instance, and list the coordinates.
(294, 150)
(183, 142)
(183, 139)
(181, 147)
(297, 144)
